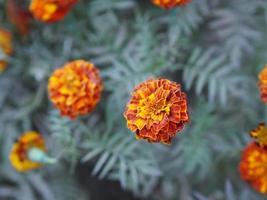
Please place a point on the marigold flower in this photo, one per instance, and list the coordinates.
(157, 110)
(20, 155)
(19, 15)
(168, 4)
(260, 135)
(76, 88)
(253, 167)
(263, 84)
(6, 47)
(51, 10)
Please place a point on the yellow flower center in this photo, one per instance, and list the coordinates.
(72, 83)
(155, 106)
(49, 10)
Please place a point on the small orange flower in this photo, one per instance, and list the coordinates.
(19, 15)
(253, 167)
(260, 135)
(19, 153)
(263, 84)
(76, 88)
(6, 47)
(168, 4)
(157, 110)
(51, 10)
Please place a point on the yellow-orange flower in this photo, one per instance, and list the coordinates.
(19, 153)
(253, 167)
(260, 135)
(263, 84)
(51, 10)
(6, 47)
(168, 4)
(19, 15)
(76, 88)
(157, 110)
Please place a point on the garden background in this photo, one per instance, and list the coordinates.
(213, 48)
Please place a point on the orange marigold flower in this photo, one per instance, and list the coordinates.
(263, 84)
(168, 4)
(260, 134)
(76, 88)
(19, 155)
(19, 15)
(51, 10)
(157, 110)
(253, 167)
(6, 47)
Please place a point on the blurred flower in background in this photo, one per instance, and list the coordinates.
(6, 47)
(51, 10)
(263, 84)
(29, 152)
(253, 167)
(19, 15)
(75, 88)
(168, 4)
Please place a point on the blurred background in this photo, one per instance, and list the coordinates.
(213, 48)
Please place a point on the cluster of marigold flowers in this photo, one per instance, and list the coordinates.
(21, 13)
(253, 163)
(156, 112)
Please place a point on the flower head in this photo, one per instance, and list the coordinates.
(260, 135)
(6, 47)
(19, 155)
(76, 88)
(263, 84)
(19, 15)
(51, 10)
(157, 110)
(253, 167)
(168, 4)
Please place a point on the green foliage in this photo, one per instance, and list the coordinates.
(213, 48)
(220, 77)
(121, 158)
